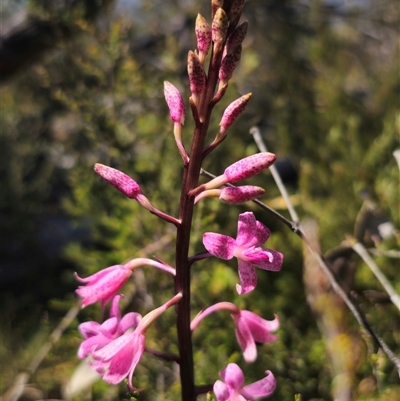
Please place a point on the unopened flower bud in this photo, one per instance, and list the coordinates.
(215, 5)
(241, 170)
(219, 26)
(119, 180)
(197, 76)
(249, 166)
(175, 103)
(228, 65)
(235, 12)
(241, 194)
(233, 111)
(236, 38)
(203, 35)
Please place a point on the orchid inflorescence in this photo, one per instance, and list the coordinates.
(115, 347)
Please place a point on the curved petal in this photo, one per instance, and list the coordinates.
(219, 245)
(233, 376)
(261, 388)
(109, 351)
(260, 328)
(98, 275)
(247, 277)
(105, 286)
(247, 227)
(114, 309)
(89, 329)
(221, 391)
(257, 256)
(129, 321)
(245, 339)
(92, 344)
(136, 358)
(266, 259)
(109, 327)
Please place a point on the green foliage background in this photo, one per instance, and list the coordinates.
(325, 94)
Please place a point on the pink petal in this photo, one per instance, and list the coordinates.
(254, 321)
(245, 339)
(247, 277)
(266, 259)
(233, 376)
(125, 361)
(92, 344)
(104, 287)
(97, 276)
(129, 321)
(262, 233)
(89, 329)
(261, 388)
(219, 245)
(114, 309)
(109, 327)
(260, 328)
(247, 227)
(221, 391)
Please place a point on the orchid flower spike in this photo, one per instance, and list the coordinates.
(119, 358)
(232, 388)
(104, 285)
(251, 235)
(250, 328)
(97, 336)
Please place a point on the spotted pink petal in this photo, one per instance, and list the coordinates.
(247, 227)
(247, 277)
(219, 245)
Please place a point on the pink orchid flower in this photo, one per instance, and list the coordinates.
(97, 336)
(250, 328)
(232, 389)
(104, 285)
(251, 234)
(119, 358)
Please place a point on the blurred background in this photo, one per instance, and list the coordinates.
(82, 82)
